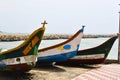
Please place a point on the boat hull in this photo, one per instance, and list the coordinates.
(19, 64)
(62, 51)
(20, 67)
(57, 58)
(85, 60)
(88, 61)
(96, 55)
(23, 57)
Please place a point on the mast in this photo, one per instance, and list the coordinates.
(119, 40)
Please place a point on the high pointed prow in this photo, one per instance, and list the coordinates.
(83, 26)
(44, 23)
(81, 30)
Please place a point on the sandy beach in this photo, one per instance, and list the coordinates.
(51, 72)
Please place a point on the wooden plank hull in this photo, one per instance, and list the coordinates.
(94, 55)
(62, 51)
(57, 58)
(21, 64)
(23, 57)
(88, 61)
(83, 61)
(22, 67)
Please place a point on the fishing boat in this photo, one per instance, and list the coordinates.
(62, 51)
(95, 55)
(23, 57)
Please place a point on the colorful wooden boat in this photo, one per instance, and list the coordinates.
(94, 55)
(61, 51)
(23, 57)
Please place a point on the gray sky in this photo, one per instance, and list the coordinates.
(63, 16)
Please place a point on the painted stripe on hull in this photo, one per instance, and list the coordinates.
(24, 59)
(93, 56)
(86, 61)
(62, 51)
(18, 64)
(82, 61)
(50, 51)
(56, 58)
(20, 67)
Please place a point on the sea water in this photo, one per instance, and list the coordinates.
(84, 44)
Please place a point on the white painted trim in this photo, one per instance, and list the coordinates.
(24, 59)
(55, 51)
(94, 56)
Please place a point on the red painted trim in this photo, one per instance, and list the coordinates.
(23, 67)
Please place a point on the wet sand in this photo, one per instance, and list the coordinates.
(49, 72)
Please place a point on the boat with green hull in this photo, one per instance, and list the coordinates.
(23, 57)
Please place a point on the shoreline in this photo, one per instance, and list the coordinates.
(19, 37)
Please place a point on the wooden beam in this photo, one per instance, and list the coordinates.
(119, 41)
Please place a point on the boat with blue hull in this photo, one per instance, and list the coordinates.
(62, 51)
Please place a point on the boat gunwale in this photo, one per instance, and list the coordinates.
(62, 43)
(98, 45)
(25, 42)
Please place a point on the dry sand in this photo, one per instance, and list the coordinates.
(49, 72)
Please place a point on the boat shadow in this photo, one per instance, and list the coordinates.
(86, 66)
(50, 68)
(15, 76)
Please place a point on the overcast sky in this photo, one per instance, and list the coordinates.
(63, 16)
